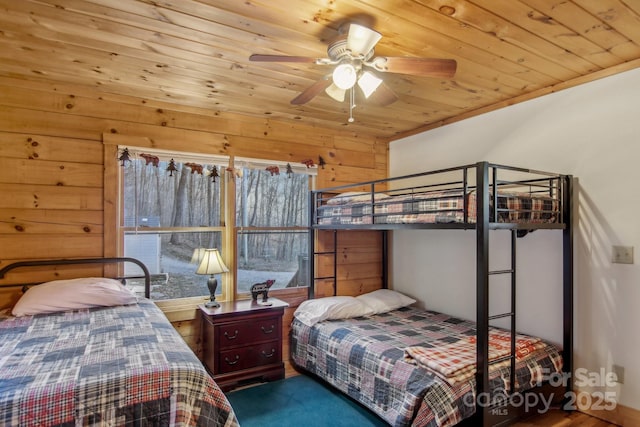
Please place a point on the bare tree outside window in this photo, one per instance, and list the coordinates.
(272, 216)
(166, 218)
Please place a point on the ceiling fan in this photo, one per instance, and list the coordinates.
(352, 53)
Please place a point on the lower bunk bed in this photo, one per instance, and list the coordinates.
(415, 367)
(89, 352)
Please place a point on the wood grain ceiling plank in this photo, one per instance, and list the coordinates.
(476, 43)
(623, 18)
(174, 42)
(143, 70)
(550, 38)
(588, 26)
(222, 71)
(551, 60)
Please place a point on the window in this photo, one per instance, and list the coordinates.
(171, 207)
(272, 215)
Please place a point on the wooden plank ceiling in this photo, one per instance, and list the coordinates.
(195, 53)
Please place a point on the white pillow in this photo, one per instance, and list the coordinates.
(316, 310)
(356, 197)
(72, 294)
(384, 300)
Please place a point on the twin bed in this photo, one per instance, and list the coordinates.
(421, 368)
(416, 367)
(118, 364)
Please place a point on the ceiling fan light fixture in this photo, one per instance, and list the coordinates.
(335, 92)
(369, 82)
(361, 40)
(345, 76)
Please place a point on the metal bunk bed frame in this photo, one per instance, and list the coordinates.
(486, 186)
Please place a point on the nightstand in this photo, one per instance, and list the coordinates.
(242, 342)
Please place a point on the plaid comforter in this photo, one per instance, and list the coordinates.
(456, 361)
(115, 366)
(438, 208)
(364, 358)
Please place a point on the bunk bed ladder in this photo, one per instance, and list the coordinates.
(312, 262)
(497, 409)
(489, 410)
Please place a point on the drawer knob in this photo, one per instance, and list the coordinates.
(231, 337)
(273, 351)
(268, 331)
(232, 362)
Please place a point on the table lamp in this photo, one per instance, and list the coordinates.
(212, 264)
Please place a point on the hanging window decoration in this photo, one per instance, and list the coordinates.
(172, 167)
(124, 157)
(289, 170)
(213, 173)
(321, 162)
(195, 168)
(150, 159)
(273, 170)
(308, 163)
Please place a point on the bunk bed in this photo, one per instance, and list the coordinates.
(88, 351)
(366, 355)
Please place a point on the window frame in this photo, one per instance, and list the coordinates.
(226, 283)
(113, 213)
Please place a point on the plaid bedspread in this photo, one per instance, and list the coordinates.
(116, 366)
(456, 361)
(438, 208)
(364, 358)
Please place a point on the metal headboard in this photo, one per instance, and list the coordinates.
(44, 262)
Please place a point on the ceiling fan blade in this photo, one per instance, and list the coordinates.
(309, 93)
(383, 96)
(361, 40)
(428, 67)
(280, 58)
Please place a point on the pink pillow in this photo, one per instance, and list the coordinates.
(72, 294)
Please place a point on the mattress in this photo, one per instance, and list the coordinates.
(123, 365)
(439, 207)
(365, 358)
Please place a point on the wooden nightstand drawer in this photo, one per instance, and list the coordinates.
(249, 357)
(242, 341)
(248, 332)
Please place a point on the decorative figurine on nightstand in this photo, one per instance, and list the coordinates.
(262, 288)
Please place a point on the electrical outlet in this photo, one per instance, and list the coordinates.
(619, 371)
(622, 255)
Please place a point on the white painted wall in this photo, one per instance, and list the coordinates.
(590, 131)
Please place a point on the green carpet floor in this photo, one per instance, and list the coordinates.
(299, 401)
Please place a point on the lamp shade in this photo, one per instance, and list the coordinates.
(344, 76)
(335, 92)
(211, 263)
(368, 82)
(361, 39)
(197, 256)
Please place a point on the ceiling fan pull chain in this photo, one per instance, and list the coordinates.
(352, 105)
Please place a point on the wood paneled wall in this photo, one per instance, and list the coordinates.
(52, 173)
